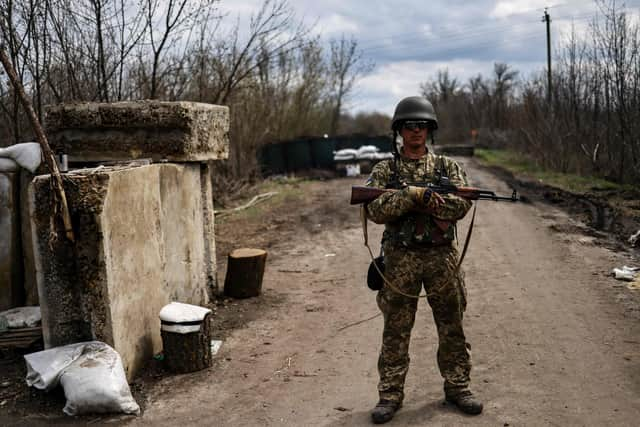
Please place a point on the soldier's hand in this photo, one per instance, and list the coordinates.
(424, 197)
(433, 200)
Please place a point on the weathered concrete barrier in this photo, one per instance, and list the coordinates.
(28, 262)
(176, 131)
(145, 237)
(11, 271)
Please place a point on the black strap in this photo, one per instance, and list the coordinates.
(468, 238)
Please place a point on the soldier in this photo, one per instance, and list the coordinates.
(419, 251)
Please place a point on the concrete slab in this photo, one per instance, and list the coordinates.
(177, 131)
(141, 243)
(11, 272)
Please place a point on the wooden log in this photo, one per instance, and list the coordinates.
(188, 352)
(245, 269)
(20, 338)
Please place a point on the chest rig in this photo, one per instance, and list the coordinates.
(420, 228)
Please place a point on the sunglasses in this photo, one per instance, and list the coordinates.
(416, 125)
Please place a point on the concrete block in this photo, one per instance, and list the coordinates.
(141, 242)
(11, 289)
(206, 184)
(177, 131)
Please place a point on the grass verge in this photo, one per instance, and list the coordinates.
(288, 191)
(518, 164)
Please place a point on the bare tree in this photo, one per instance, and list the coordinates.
(345, 66)
(272, 31)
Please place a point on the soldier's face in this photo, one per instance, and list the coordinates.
(413, 138)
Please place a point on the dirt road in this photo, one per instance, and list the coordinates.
(556, 341)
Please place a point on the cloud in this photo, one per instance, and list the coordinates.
(336, 24)
(382, 89)
(391, 82)
(409, 40)
(506, 8)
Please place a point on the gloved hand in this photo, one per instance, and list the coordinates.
(425, 198)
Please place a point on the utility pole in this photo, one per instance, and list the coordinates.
(546, 18)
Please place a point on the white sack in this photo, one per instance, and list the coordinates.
(91, 374)
(346, 151)
(45, 367)
(28, 155)
(22, 317)
(96, 383)
(178, 312)
(367, 149)
(8, 165)
(345, 154)
(625, 273)
(343, 158)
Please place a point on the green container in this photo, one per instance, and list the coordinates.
(272, 159)
(322, 153)
(298, 155)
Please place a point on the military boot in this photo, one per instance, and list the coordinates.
(384, 411)
(465, 401)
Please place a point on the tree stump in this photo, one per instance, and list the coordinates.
(245, 269)
(188, 352)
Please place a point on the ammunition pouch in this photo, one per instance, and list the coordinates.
(375, 282)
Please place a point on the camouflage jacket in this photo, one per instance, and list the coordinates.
(408, 221)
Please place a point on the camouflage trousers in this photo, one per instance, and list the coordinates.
(409, 270)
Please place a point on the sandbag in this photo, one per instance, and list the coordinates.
(366, 149)
(8, 165)
(345, 154)
(27, 155)
(95, 383)
(22, 317)
(45, 367)
(91, 374)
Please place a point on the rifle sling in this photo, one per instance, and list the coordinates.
(363, 218)
(468, 238)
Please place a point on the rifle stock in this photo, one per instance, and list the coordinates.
(361, 194)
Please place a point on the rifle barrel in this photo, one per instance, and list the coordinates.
(362, 194)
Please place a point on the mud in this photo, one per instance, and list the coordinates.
(615, 212)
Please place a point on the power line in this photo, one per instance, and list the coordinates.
(460, 35)
(450, 42)
(367, 41)
(440, 32)
(451, 53)
(366, 44)
(481, 45)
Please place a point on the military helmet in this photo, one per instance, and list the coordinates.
(414, 108)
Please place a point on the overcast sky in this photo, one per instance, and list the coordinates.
(409, 40)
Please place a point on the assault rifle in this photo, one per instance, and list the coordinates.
(361, 194)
